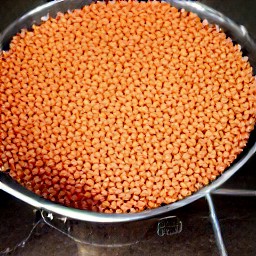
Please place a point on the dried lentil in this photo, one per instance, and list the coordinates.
(123, 106)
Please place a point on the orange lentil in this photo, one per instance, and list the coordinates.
(119, 120)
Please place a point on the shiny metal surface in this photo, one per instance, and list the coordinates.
(234, 192)
(236, 32)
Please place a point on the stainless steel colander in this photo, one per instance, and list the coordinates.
(236, 32)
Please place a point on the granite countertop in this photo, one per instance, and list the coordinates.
(237, 216)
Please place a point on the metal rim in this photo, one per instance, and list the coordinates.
(23, 194)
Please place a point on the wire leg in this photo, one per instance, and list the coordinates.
(216, 227)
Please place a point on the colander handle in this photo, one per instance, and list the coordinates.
(166, 226)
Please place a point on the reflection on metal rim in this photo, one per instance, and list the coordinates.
(238, 34)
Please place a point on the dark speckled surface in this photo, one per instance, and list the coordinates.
(237, 215)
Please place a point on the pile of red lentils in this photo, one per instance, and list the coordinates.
(124, 106)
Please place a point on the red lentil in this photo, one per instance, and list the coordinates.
(121, 107)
